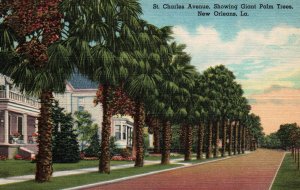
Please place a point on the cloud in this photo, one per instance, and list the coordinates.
(260, 59)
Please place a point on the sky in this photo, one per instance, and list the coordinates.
(262, 49)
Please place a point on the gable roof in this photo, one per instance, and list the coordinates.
(78, 81)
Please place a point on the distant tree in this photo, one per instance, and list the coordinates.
(271, 141)
(65, 148)
(85, 128)
(94, 148)
(285, 133)
(113, 150)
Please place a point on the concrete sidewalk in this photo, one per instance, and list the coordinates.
(17, 179)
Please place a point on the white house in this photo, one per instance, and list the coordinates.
(80, 94)
(18, 119)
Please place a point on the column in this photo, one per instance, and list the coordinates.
(126, 135)
(122, 132)
(25, 130)
(7, 91)
(36, 125)
(6, 127)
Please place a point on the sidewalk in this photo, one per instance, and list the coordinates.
(17, 179)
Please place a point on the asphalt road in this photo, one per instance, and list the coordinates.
(254, 171)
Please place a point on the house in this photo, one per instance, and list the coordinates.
(19, 113)
(18, 119)
(80, 94)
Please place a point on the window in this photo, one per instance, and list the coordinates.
(80, 108)
(80, 103)
(118, 132)
(129, 136)
(124, 132)
(20, 125)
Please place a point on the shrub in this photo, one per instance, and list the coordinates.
(18, 157)
(113, 147)
(94, 148)
(65, 148)
(125, 153)
(82, 155)
(2, 157)
(120, 158)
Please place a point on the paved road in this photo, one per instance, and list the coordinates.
(254, 171)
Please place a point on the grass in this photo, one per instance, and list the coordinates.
(158, 157)
(11, 168)
(83, 179)
(288, 176)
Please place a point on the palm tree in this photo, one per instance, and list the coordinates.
(142, 84)
(154, 128)
(185, 114)
(106, 32)
(254, 131)
(36, 58)
(177, 76)
(213, 89)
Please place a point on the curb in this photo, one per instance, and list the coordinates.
(146, 174)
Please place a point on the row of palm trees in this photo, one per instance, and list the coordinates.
(109, 43)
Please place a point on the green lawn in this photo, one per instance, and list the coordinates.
(82, 179)
(154, 158)
(10, 168)
(288, 176)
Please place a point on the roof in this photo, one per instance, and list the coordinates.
(78, 81)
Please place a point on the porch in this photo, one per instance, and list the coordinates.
(18, 121)
(17, 128)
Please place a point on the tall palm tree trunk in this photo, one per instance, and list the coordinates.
(216, 140)
(240, 139)
(139, 122)
(251, 143)
(243, 139)
(182, 138)
(200, 141)
(224, 137)
(165, 156)
(230, 138)
(44, 158)
(209, 139)
(247, 140)
(235, 145)
(104, 161)
(188, 142)
(156, 134)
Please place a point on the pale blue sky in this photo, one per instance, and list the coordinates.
(263, 50)
(227, 30)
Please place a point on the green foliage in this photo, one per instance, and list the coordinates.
(271, 141)
(94, 147)
(85, 127)
(113, 147)
(176, 145)
(65, 148)
(287, 133)
(146, 144)
(125, 152)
